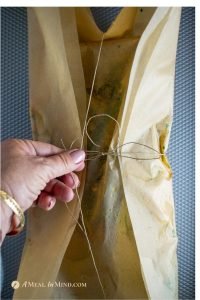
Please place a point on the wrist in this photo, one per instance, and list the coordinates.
(5, 187)
(12, 216)
(10, 191)
(6, 219)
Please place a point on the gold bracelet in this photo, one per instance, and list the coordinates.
(17, 212)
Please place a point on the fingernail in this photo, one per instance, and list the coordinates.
(77, 156)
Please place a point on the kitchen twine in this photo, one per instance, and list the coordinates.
(95, 154)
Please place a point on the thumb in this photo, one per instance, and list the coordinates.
(63, 163)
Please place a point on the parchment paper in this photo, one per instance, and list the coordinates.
(127, 204)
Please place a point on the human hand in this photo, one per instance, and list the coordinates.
(36, 172)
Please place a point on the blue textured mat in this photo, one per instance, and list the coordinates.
(14, 115)
(16, 123)
(182, 153)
